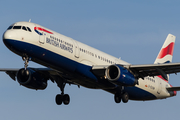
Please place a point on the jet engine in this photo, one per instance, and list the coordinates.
(31, 79)
(120, 76)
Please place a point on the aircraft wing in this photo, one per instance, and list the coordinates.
(155, 69)
(10, 71)
(13, 71)
(142, 71)
(46, 72)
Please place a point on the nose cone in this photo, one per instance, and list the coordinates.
(8, 37)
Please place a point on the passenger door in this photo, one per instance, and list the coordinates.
(76, 52)
(159, 86)
(42, 38)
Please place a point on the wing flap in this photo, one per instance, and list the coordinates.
(46, 72)
(99, 70)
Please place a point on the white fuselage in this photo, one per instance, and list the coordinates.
(78, 53)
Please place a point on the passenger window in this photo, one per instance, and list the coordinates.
(24, 28)
(17, 27)
(10, 27)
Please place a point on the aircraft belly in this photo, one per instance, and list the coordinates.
(82, 74)
(136, 93)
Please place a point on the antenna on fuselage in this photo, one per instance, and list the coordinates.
(29, 20)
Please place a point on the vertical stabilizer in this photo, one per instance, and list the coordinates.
(166, 53)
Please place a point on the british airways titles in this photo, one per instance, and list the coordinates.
(63, 45)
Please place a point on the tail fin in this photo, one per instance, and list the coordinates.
(166, 53)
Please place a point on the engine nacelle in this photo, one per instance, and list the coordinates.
(120, 76)
(31, 79)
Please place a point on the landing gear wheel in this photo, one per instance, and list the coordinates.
(62, 99)
(125, 97)
(59, 99)
(66, 99)
(117, 98)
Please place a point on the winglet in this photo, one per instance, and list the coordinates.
(166, 53)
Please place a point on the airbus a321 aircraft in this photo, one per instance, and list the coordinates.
(68, 61)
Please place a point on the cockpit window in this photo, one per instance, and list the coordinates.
(17, 27)
(24, 28)
(29, 29)
(10, 27)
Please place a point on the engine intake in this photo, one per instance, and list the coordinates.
(120, 76)
(31, 79)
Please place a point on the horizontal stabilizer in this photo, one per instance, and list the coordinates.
(173, 89)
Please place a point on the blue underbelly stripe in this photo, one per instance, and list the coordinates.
(55, 59)
(136, 93)
(51, 57)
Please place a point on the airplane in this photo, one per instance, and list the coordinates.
(68, 61)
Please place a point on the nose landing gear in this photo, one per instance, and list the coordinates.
(26, 60)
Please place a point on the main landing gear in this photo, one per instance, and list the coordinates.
(124, 97)
(62, 98)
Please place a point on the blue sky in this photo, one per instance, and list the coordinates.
(132, 30)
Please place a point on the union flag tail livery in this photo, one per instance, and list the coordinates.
(166, 53)
(68, 61)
